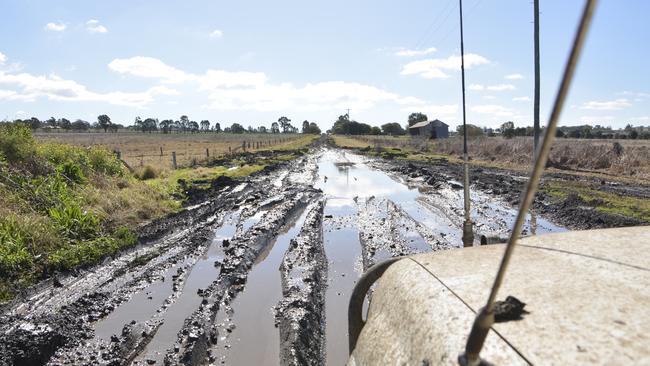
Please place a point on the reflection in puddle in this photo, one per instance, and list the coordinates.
(248, 335)
(202, 274)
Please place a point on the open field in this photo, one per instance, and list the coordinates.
(621, 158)
(155, 149)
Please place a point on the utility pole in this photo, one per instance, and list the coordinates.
(533, 218)
(348, 113)
(468, 233)
(536, 107)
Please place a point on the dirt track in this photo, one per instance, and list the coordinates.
(269, 262)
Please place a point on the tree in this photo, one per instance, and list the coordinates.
(285, 124)
(237, 128)
(305, 126)
(417, 117)
(263, 129)
(51, 122)
(634, 134)
(138, 124)
(166, 125)
(472, 130)
(507, 126)
(393, 129)
(559, 133)
(374, 130)
(34, 123)
(205, 125)
(80, 125)
(149, 124)
(217, 127)
(104, 121)
(343, 126)
(193, 126)
(313, 128)
(64, 123)
(184, 123)
(275, 128)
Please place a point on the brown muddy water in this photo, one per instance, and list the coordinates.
(369, 215)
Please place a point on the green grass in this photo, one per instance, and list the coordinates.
(64, 206)
(605, 202)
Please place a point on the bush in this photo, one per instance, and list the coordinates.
(74, 223)
(15, 240)
(72, 171)
(148, 172)
(16, 143)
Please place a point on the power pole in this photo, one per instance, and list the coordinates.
(348, 113)
(468, 233)
(536, 107)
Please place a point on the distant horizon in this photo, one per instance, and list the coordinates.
(314, 61)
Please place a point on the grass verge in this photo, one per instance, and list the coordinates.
(63, 207)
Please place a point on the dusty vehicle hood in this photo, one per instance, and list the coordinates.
(587, 294)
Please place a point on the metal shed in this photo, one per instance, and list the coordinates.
(435, 129)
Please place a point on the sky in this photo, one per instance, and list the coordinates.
(251, 62)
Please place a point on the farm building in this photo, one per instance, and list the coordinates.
(435, 129)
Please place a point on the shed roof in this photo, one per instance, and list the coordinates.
(425, 123)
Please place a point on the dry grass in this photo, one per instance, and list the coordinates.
(593, 156)
(155, 149)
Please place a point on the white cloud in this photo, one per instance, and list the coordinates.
(501, 87)
(641, 118)
(93, 26)
(54, 87)
(521, 99)
(216, 33)
(410, 101)
(410, 53)
(433, 68)
(20, 113)
(612, 105)
(3, 58)
(514, 76)
(476, 87)
(148, 67)
(489, 97)
(55, 27)
(493, 109)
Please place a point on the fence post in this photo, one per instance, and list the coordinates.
(243, 145)
(229, 150)
(161, 154)
(118, 154)
(207, 152)
(174, 159)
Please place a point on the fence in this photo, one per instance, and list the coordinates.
(173, 158)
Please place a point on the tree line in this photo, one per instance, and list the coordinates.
(182, 125)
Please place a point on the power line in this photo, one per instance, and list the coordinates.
(435, 21)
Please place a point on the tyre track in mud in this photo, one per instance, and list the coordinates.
(353, 213)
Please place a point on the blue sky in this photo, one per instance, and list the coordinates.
(254, 61)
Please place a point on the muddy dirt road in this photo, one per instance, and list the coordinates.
(259, 273)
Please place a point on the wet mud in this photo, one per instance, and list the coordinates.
(258, 270)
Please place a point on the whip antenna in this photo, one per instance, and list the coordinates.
(485, 317)
(468, 234)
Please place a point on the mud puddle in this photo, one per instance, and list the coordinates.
(249, 319)
(202, 274)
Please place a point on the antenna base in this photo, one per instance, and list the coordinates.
(468, 234)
